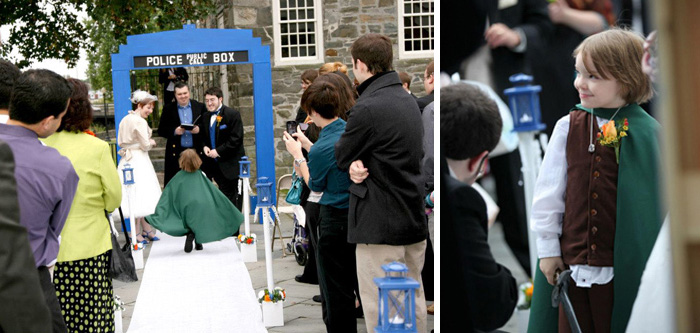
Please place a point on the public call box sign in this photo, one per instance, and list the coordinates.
(188, 59)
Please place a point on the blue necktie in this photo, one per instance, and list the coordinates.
(212, 131)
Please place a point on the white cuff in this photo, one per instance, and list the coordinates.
(548, 246)
(520, 48)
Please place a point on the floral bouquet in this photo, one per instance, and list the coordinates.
(278, 295)
(243, 239)
(525, 298)
(118, 304)
(611, 136)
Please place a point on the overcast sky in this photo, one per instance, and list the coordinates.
(56, 65)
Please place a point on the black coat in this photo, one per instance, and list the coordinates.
(229, 141)
(22, 304)
(425, 100)
(531, 16)
(385, 131)
(485, 291)
(169, 121)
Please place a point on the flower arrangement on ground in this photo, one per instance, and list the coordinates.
(118, 304)
(243, 239)
(525, 298)
(278, 295)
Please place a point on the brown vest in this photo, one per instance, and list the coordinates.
(588, 230)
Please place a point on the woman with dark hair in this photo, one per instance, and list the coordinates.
(83, 287)
(325, 102)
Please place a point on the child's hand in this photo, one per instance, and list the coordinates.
(550, 266)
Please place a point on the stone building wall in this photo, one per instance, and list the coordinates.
(343, 22)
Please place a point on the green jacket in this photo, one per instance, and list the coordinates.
(638, 220)
(86, 232)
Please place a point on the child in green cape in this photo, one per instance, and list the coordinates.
(596, 204)
(192, 206)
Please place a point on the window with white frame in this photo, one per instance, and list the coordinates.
(416, 28)
(298, 32)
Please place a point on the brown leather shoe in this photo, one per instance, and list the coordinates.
(431, 309)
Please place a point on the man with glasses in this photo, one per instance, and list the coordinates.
(174, 125)
(222, 138)
(429, 85)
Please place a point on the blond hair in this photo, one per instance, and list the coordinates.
(189, 160)
(331, 67)
(617, 54)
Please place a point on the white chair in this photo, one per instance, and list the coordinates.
(285, 182)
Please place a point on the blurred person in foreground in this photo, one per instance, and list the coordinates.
(46, 181)
(83, 286)
(470, 127)
(22, 305)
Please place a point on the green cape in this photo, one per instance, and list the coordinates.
(638, 220)
(191, 202)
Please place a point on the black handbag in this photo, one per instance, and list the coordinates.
(294, 195)
(121, 263)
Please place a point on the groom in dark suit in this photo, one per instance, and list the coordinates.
(470, 127)
(222, 137)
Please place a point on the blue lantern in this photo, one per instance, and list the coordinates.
(397, 300)
(244, 164)
(128, 174)
(264, 192)
(524, 102)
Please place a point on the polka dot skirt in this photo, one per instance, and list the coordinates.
(85, 293)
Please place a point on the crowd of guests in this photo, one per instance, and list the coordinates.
(360, 154)
(60, 185)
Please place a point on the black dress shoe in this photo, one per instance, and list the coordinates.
(188, 242)
(198, 246)
(301, 279)
(317, 298)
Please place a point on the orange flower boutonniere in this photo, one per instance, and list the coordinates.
(611, 136)
(218, 119)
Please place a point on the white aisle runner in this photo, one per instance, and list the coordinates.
(201, 291)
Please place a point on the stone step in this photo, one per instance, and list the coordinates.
(158, 164)
(157, 153)
(160, 141)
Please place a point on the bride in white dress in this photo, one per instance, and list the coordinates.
(134, 139)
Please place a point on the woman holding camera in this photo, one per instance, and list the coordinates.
(325, 101)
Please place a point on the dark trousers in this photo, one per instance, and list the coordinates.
(59, 325)
(428, 272)
(593, 308)
(312, 211)
(337, 270)
(229, 187)
(511, 198)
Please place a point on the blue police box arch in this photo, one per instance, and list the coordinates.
(202, 47)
